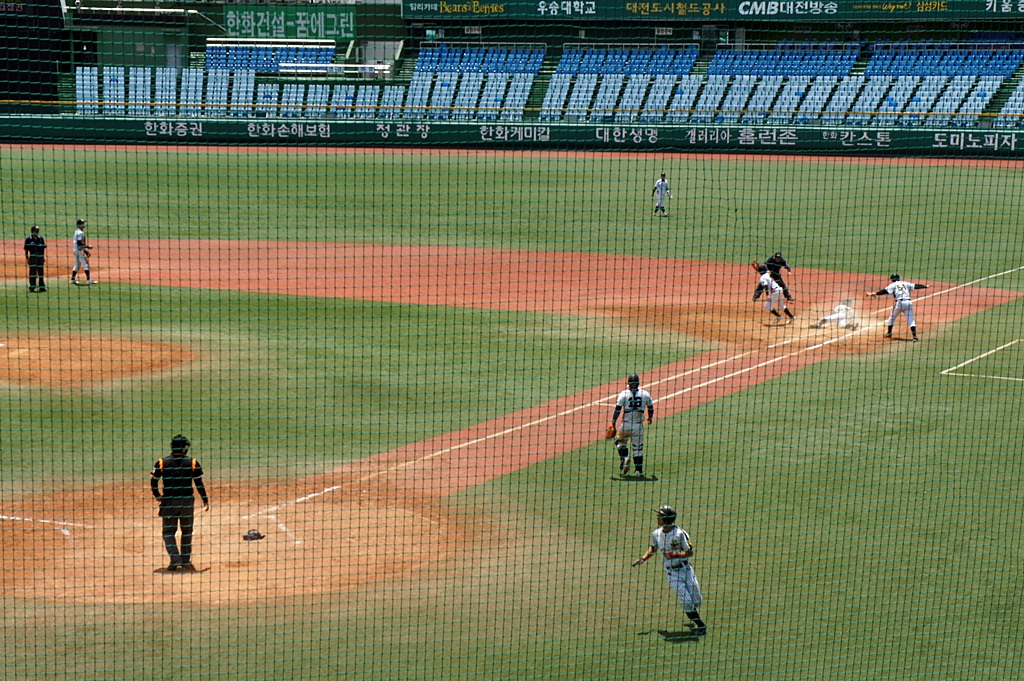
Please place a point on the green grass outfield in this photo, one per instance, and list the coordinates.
(857, 519)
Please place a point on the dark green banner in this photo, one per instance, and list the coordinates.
(753, 139)
(734, 10)
(322, 22)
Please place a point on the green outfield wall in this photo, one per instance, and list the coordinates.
(974, 142)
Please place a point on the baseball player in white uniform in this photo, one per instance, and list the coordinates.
(80, 246)
(843, 315)
(632, 403)
(676, 551)
(773, 297)
(902, 305)
(660, 193)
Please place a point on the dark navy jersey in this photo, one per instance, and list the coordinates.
(35, 246)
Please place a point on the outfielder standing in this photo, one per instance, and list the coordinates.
(676, 550)
(632, 403)
(661, 192)
(774, 297)
(35, 255)
(902, 305)
(177, 502)
(81, 247)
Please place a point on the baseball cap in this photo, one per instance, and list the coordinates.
(81, 222)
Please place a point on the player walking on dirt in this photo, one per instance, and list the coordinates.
(177, 502)
(676, 551)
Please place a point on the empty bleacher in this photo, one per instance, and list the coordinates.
(266, 56)
(898, 84)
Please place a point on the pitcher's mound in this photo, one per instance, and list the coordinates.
(83, 361)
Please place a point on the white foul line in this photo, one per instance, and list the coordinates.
(603, 400)
(950, 371)
(46, 521)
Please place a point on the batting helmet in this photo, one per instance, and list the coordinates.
(666, 514)
(180, 443)
(633, 381)
(762, 269)
(894, 277)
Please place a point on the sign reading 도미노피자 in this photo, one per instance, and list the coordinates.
(763, 10)
(304, 22)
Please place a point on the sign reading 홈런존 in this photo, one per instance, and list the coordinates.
(763, 10)
(304, 22)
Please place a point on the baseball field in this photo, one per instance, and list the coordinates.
(398, 365)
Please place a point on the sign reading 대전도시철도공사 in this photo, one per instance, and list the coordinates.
(758, 10)
(302, 22)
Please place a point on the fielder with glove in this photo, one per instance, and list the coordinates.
(631, 403)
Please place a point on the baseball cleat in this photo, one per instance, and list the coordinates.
(92, 281)
(888, 335)
(916, 340)
(173, 566)
(701, 631)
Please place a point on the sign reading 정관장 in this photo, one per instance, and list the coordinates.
(761, 10)
(288, 22)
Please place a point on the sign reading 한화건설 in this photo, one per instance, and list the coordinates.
(737, 10)
(321, 22)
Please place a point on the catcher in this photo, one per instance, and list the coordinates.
(632, 403)
(82, 252)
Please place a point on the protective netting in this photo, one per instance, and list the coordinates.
(388, 274)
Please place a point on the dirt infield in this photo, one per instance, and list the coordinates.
(111, 551)
(322, 530)
(78, 362)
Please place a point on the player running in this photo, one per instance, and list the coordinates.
(902, 305)
(676, 551)
(774, 298)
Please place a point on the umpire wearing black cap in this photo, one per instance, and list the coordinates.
(177, 502)
(35, 256)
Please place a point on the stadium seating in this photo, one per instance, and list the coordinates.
(265, 58)
(343, 98)
(367, 97)
(191, 98)
(391, 101)
(243, 84)
(113, 90)
(140, 97)
(267, 95)
(1012, 113)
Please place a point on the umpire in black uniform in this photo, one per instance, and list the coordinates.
(177, 502)
(775, 263)
(35, 255)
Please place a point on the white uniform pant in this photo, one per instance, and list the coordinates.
(841, 319)
(775, 301)
(684, 583)
(632, 433)
(904, 307)
(80, 260)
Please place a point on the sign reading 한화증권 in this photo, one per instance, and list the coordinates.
(759, 10)
(322, 22)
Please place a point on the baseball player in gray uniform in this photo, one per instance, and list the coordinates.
(676, 551)
(632, 403)
(660, 193)
(81, 248)
(774, 298)
(902, 305)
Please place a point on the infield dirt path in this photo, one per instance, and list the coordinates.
(705, 299)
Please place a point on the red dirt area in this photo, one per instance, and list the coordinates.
(79, 361)
(107, 546)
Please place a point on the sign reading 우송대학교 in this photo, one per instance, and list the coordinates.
(734, 10)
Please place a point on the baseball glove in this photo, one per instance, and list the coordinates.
(755, 264)
(609, 432)
(253, 535)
